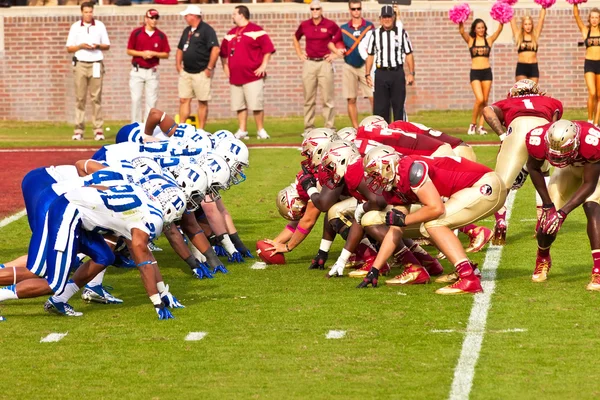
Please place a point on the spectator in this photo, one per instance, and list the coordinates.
(353, 78)
(147, 45)
(88, 39)
(197, 55)
(321, 36)
(389, 47)
(591, 67)
(245, 53)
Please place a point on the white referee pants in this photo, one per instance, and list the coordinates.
(143, 81)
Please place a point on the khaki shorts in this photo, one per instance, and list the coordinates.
(563, 184)
(343, 210)
(248, 96)
(354, 81)
(194, 86)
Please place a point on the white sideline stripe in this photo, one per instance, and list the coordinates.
(465, 368)
(512, 330)
(335, 334)
(53, 337)
(195, 336)
(12, 218)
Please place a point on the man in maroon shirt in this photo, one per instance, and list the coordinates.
(322, 35)
(245, 53)
(147, 45)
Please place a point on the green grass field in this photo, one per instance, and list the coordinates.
(266, 329)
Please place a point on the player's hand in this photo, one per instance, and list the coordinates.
(202, 271)
(260, 71)
(395, 217)
(235, 257)
(220, 268)
(276, 247)
(169, 300)
(337, 270)
(371, 279)
(547, 210)
(553, 222)
(246, 253)
(319, 261)
(359, 212)
(369, 81)
(307, 181)
(220, 250)
(520, 179)
(163, 312)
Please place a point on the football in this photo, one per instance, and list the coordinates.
(264, 255)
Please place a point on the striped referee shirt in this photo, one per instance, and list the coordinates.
(389, 47)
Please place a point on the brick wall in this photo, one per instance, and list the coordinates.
(36, 81)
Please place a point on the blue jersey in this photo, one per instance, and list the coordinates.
(351, 38)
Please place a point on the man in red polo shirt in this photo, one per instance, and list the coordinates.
(322, 35)
(147, 45)
(245, 53)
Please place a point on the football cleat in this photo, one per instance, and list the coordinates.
(77, 136)
(469, 284)
(99, 136)
(412, 275)
(595, 282)
(448, 278)
(471, 130)
(60, 309)
(479, 237)
(499, 238)
(481, 131)
(364, 270)
(153, 247)
(98, 294)
(433, 267)
(542, 267)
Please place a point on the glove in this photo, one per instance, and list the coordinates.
(307, 181)
(169, 300)
(360, 211)
(520, 179)
(163, 312)
(553, 222)
(220, 268)
(547, 210)
(246, 254)
(319, 261)
(370, 279)
(337, 270)
(395, 217)
(220, 250)
(235, 257)
(202, 271)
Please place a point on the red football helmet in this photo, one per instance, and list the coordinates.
(562, 140)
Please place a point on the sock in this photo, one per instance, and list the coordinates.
(464, 268)
(237, 242)
(344, 256)
(70, 289)
(420, 254)
(405, 256)
(8, 293)
(211, 258)
(97, 279)
(596, 257)
(325, 245)
(467, 229)
(543, 252)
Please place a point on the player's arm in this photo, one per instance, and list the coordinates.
(286, 233)
(86, 167)
(159, 118)
(433, 206)
(534, 167)
(144, 260)
(591, 174)
(495, 118)
(301, 55)
(326, 198)
(303, 228)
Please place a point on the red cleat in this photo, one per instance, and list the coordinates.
(364, 270)
(499, 238)
(412, 275)
(542, 267)
(479, 237)
(468, 284)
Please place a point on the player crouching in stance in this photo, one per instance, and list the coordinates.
(473, 191)
(573, 147)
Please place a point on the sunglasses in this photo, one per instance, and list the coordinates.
(356, 8)
(157, 17)
(315, 9)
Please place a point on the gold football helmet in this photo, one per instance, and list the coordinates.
(348, 133)
(289, 203)
(335, 161)
(380, 165)
(524, 87)
(313, 139)
(374, 120)
(562, 140)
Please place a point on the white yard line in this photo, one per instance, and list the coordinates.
(12, 218)
(53, 337)
(335, 335)
(195, 336)
(465, 368)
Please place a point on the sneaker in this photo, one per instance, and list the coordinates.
(595, 282)
(433, 267)
(412, 275)
(262, 134)
(98, 294)
(499, 238)
(470, 284)
(60, 309)
(471, 130)
(77, 136)
(242, 135)
(542, 267)
(479, 237)
(99, 136)
(481, 131)
(152, 247)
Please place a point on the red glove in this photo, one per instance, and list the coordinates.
(553, 222)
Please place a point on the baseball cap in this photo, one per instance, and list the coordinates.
(387, 11)
(191, 9)
(152, 13)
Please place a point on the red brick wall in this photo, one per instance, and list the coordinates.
(36, 81)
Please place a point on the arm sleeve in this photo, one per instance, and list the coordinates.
(182, 39)
(299, 32)
(71, 37)
(406, 41)
(131, 41)
(212, 40)
(104, 36)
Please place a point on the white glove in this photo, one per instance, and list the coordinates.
(196, 253)
(360, 211)
(228, 244)
(337, 269)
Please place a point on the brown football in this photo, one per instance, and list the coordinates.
(264, 255)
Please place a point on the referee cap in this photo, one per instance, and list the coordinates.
(387, 11)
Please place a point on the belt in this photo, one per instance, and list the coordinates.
(315, 59)
(88, 62)
(390, 68)
(140, 67)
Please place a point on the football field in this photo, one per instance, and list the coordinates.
(288, 332)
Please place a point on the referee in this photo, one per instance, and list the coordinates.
(389, 46)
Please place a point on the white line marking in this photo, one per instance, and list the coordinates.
(53, 337)
(335, 334)
(512, 330)
(442, 331)
(529, 220)
(12, 218)
(465, 368)
(259, 265)
(195, 336)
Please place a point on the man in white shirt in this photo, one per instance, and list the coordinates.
(88, 39)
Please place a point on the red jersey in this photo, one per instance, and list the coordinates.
(589, 143)
(301, 192)
(529, 106)
(354, 175)
(448, 174)
(319, 36)
(370, 136)
(140, 40)
(245, 47)
(424, 130)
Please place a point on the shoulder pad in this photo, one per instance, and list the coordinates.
(415, 173)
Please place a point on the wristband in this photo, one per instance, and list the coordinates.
(287, 248)
(302, 230)
(210, 68)
(161, 286)
(145, 263)
(311, 191)
(290, 228)
(155, 299)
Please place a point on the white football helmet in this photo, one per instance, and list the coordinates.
(172, 201)
(146, 166)
(348, 133)
(380, 164)
(335, 161)
(562, 140)
(219, 135)
(524, 87)
(289, 203)
(193, 181)
(312, 140)
(201, 140)
(373, 120)
(235, 152)
(183, 132)
(218, 173)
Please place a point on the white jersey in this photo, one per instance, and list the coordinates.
(173, 165)
(115, 153)
(117, 210)
(62, 172)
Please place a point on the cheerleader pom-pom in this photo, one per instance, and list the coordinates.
(459, 13)
(573, 2)
(509, 2)
(501, 12)
(545, 3)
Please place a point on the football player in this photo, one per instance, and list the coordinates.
(573, 148)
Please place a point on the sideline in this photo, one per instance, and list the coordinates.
(465, 368)
(12, 218)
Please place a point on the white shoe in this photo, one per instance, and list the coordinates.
(77, 136)
(262, 134)
(241, 135)
(99, 136)
(471, 130)
(481, 131)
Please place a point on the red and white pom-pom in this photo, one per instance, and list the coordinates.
(509, 2)
(501, 12)
(576, 1)
(459, 13)
(545, 3)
